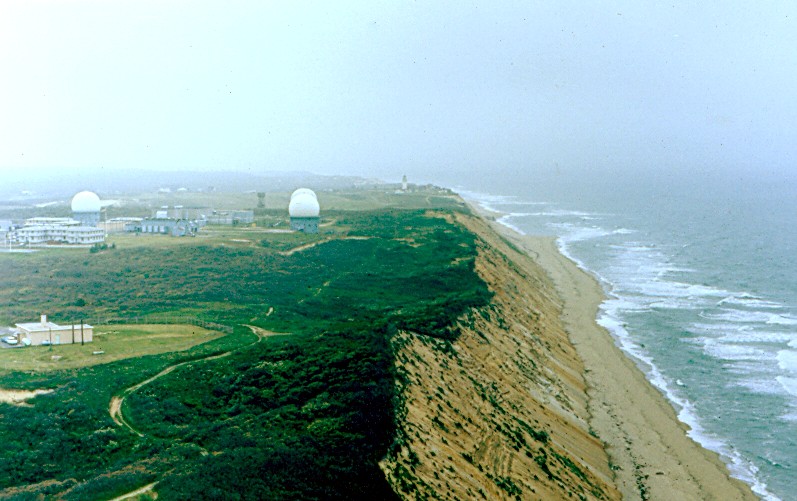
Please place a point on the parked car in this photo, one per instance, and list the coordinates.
(9, 340)
(46, 342)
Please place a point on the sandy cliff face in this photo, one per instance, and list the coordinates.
(501, 413)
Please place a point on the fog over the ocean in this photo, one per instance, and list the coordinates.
(436, 90)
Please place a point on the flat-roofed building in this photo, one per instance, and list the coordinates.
(231, 217)
(67, 233)
(46, 332)
(118, 224)
(164, 226)
(51, 221)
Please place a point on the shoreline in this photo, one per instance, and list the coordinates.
(649, 449)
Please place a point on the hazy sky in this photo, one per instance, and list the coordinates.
(377, 87)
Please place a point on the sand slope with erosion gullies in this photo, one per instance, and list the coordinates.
(502, 413)
(535, 401)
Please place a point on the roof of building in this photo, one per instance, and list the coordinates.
(48, 326)
(51, 221)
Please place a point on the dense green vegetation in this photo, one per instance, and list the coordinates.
(305, 416)
(68, 434)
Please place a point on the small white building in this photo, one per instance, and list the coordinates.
(45, 332)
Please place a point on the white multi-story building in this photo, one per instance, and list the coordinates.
(43, 230)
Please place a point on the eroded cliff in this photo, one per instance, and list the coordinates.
(501, 412)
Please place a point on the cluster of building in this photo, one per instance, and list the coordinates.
(164, 225)
(87, 227)
(179, 221)
(80, 229)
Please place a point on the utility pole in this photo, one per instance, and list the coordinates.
(81, 332)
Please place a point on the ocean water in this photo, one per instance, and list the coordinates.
(701, 280)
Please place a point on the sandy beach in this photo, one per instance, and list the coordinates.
(650, 452)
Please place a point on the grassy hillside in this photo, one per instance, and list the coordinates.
(307, 415)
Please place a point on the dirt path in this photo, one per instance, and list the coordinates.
(115, 406)
(136, 492)
(313, 244)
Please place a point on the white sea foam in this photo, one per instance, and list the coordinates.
(671, 304)
(668, 294)
(565, 213)
(787, 360)
(478, 196)
(491, 203)
(643, 270)
(789, 384)
(632, 247)
(790, 416)
(504, 220)
(515, 202)
(641, 274)
(737, 465)
(745, 316)
(752, 316)
(575, 233)
(727, 351)
(744, 333)
(485, 200)
(761, 337)
(750, 301)
(782, 320)
(761, 385)
(625, 304)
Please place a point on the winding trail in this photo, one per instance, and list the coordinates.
(115, 406)
(136, 492)
(304, 247)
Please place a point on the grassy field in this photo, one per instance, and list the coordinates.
(117, 342)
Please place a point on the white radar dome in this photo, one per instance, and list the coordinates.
(86, 201)
(303, 191)
(304, 205)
